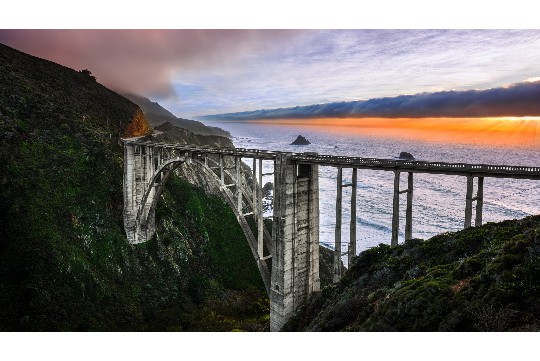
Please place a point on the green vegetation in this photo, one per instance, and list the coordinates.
(479, 279)
(65, 263)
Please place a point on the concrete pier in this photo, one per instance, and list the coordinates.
(468, 202)
(260, 221)
(238, 164)
(469, 199)
(337, 237)
(408, 211)
(395, 210)
(295, 257)
(352, 233)
(479, 202)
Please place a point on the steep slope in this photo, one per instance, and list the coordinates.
(158, 115)
(65, 263)
(479, 279)
(170, 133)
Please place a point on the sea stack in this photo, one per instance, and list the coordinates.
(406, 156)
(300, 140)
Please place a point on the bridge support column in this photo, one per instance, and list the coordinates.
(479, 202)
(337, 239)
(254, 188)
(238, 166)
(468, 202)
(221, 170)
(352, 237)
(295, 253)
(260, 221)
(130, 207)
(408, 214)
(395, 210)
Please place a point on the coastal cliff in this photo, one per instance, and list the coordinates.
(480, 279)
(65, 263)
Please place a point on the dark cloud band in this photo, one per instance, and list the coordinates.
(521, 99)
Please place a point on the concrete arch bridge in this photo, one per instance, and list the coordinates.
(288, 258)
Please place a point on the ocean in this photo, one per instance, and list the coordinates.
(439, 200)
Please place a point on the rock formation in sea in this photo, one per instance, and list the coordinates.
(300, 140)
(406, 156)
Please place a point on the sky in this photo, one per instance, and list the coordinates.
(200, 72)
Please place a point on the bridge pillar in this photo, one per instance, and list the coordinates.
(259, 208)
(468, 201)
(221, 170)
(395, 210)
(408, 211)
(295, 253)
(352, 234)
(479, 202)
(130, 207)
(337, 241)
(238, 166)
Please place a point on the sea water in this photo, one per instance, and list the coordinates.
(439, 200)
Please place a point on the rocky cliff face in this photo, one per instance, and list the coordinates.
(65, 263)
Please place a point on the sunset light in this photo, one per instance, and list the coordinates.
(515, 118)
(502, 131)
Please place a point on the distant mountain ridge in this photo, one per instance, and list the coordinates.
(157, 115)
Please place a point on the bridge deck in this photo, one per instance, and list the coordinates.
(477, 170)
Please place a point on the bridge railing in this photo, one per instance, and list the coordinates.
(333, 160)
(412, 165)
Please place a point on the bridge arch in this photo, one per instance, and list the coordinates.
(288, 259)
(147, 167)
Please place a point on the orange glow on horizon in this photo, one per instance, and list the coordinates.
(502, 131)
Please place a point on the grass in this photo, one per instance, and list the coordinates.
(479, 279)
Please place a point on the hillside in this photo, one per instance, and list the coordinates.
(169, 133)
(479, 279)
(158, 115)
(65, 263)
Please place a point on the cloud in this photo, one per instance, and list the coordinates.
(143, 61)
(327, 66)
(521, 99)
(197, 72)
